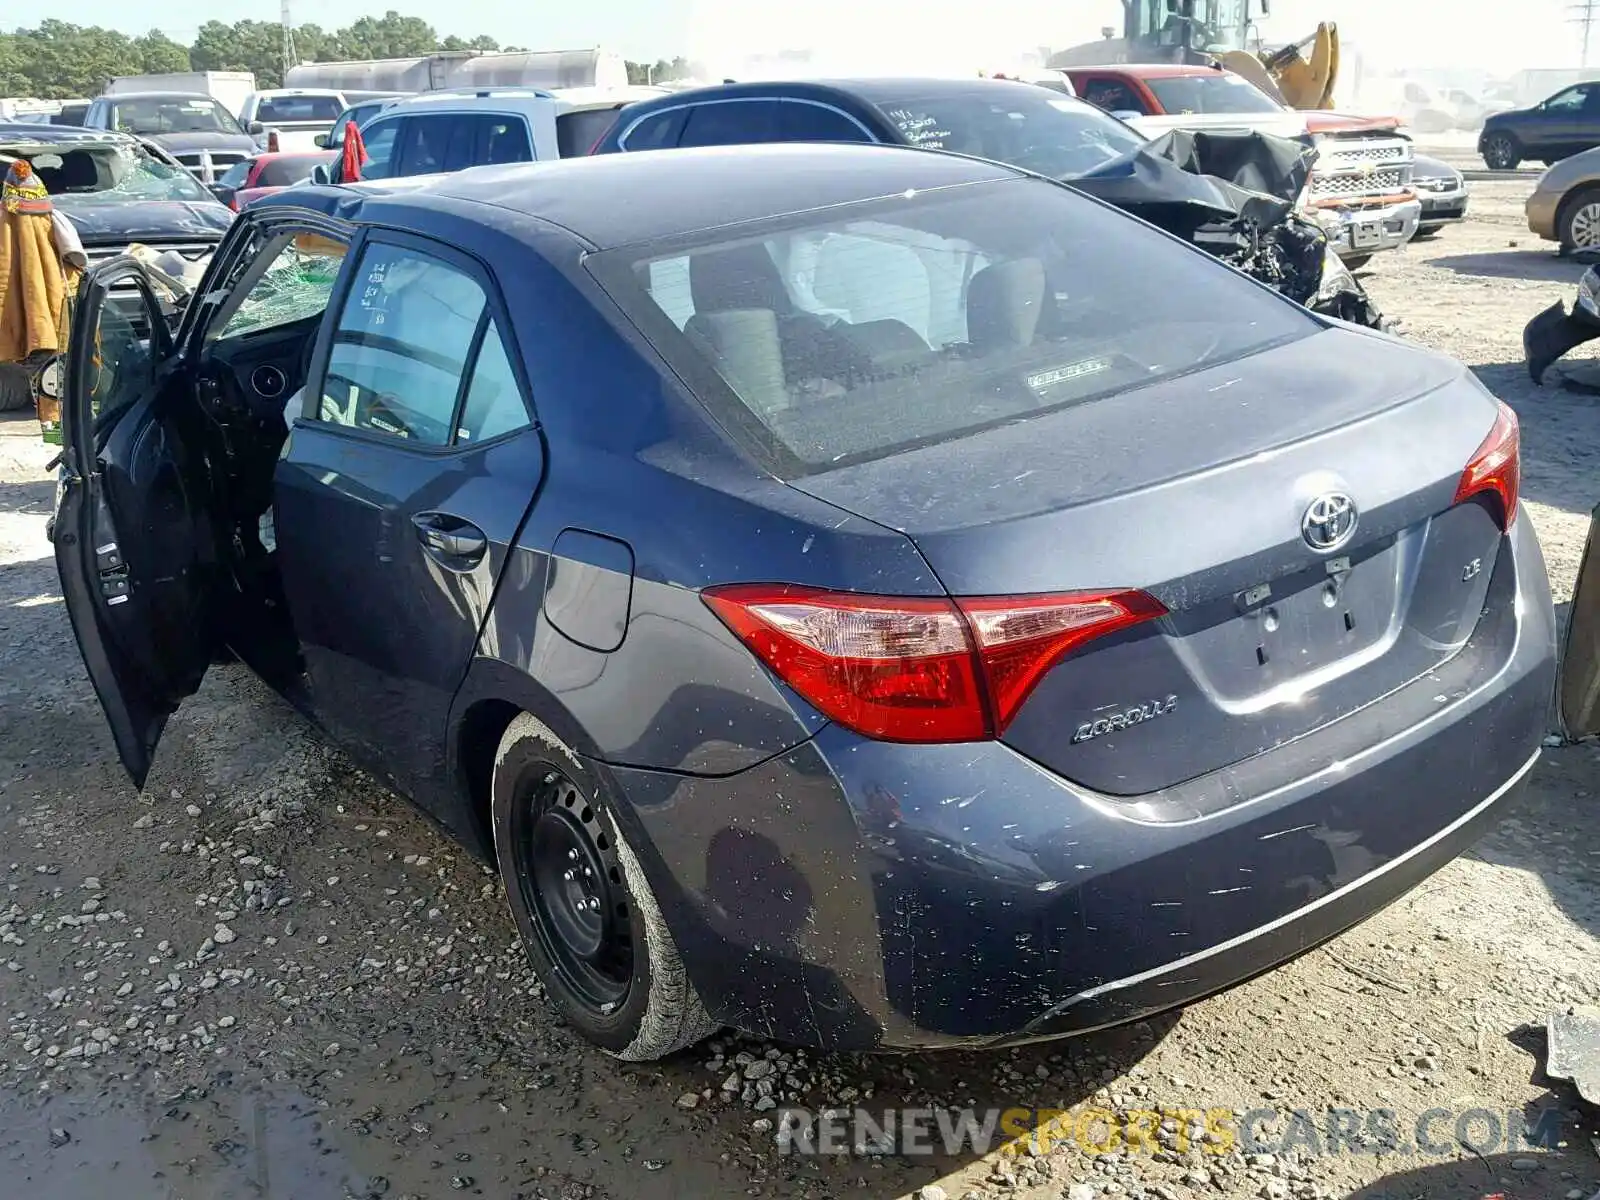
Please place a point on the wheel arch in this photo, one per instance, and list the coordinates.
(492, 695)
(1584, 191)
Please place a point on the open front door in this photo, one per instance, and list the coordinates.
(134, 542)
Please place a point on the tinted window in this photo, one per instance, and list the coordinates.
(298, 108)
(235, 175)
(494, 402)
(380, 141)
(800, 121)
(1114, 95)
(1568, 101)
(401, 346)
(289, 169)
(656, 132)
(1027, 127)
(435, 143)
(1219, 93)
(896, 322)
(576, 132)
(501, 139)
(729, 123)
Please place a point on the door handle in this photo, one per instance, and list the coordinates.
(447, 538)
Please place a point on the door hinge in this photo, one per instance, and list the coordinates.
(114, 582)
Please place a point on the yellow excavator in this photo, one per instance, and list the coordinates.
(1302, 74)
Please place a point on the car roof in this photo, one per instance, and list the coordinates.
(17, 133)
(871, 88)
(119, 96)
(1151, 70)
(595, 198)
(297, 92)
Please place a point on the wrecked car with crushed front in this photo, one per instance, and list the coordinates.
(939, 610)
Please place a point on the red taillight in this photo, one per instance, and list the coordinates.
(918, 669)
(272, 142)
(1496, 466)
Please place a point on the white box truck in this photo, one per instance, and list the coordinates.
(229, 88)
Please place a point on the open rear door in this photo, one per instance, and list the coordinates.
(1580, 660)
(134, 541)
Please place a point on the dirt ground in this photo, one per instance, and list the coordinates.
(266, 976)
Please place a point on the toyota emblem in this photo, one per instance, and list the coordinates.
(1329, 522)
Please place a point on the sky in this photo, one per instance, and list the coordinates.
(1482, 34)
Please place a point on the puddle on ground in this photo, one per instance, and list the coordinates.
(255, 1143)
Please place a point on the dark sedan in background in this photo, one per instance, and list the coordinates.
(865, 597)
(1563, 125)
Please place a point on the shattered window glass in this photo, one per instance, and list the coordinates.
(296, 286)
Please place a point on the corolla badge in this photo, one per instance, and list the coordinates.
(1123, 718)
(1329, 522)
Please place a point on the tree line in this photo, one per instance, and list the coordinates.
(58, 60)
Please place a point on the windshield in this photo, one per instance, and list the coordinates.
(1215, 25)
(1031, 128)
(289, 169)
(1215, 93)
(174, 114)
(855, 332)
(321, 109)
(112, 175)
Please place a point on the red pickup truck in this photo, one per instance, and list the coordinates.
(1361, 183)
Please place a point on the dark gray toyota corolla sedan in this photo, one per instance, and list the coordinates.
(863, 596)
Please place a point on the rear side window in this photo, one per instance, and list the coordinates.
(658, 131)
(401, 346)
(729, 123)
(436, 143)
(853, 333)
(493, 402)
(576, 132)
(1114, 95)
(802, 121)
(500, 139)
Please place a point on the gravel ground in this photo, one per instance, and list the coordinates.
(266, 976)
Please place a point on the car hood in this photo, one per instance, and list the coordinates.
(186, 143)
(141, 220)
(1339, 122)
(1505, 116)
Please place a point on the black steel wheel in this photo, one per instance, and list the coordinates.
(583, 905)
(571, 880)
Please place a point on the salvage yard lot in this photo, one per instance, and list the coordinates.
(268, 977)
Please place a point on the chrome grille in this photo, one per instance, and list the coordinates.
(195, 161)
(1389, 179)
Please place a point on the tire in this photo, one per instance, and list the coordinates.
(615, 977)
(15, 391)
(1578, 222)
(1501, 152)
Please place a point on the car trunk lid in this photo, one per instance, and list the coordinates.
(1202, 490)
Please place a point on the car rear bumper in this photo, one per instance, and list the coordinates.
(855, 894)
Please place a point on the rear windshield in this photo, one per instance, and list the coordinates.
(576, 132)
(1032, 128)
(299, 108)
(1218, 93)
(288, 169)
(853, 333)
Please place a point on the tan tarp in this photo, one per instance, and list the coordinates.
(32, 287)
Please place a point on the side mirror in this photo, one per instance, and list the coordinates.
(254, 128)
(321, 174)
(321, 141)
